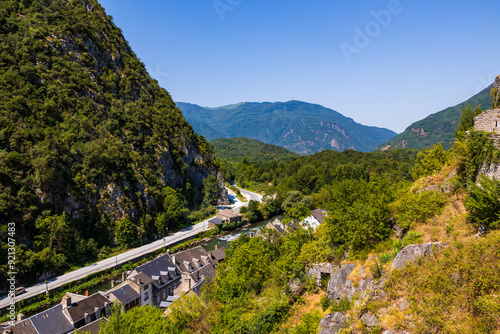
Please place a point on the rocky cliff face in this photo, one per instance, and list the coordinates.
(85, 129)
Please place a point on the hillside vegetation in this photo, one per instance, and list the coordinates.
(237, 149)
(439, 127)
(92, 151)
(300, 127)
(376, 209)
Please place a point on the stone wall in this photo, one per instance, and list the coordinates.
(488, 121)
(318, 268)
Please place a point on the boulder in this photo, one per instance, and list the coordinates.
(339, 278)
(412, 252)
(403, 305)
(431, 188)
(332, 323)
(369, 319)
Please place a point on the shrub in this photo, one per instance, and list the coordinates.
(483, 203)
(342, 305)
(325, 302)
(413, 208)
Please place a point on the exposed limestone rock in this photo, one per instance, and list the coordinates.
(340, 276)
(337, 284)
(403, 305)
(412, 252)
(431, 188)
(332, 323)
(491, 171)
(369, 319)
(447, 185)
(392, 331)
(340, 287)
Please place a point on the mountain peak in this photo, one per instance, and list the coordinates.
(301, 127)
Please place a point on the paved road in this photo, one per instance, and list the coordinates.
(124, 257)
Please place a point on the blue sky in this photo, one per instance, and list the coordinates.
(385, 63)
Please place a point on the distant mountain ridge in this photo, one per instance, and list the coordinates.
(439, 127)
(300, 127)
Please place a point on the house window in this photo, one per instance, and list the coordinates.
(164, 293)
(158, 300)
(146, 287)
(146, 296)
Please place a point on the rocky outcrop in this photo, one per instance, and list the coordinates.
(340, 276)
(413, 252)
(339, 287)
(369, 319)
(491, 171)
(332, 323)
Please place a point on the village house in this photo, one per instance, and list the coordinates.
(157, 283)
(149, 284)
(218, 254)
(315, 219)
(74, 312)
(277, 228)
(228, 216)
(126, 295)
(196, 268)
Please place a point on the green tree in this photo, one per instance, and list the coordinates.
(467, 121)
(359, 213)
(211, 190)
(125, 233)
(174, 210)
(54, 232)
(244, 270)
(306, 179)
(483, 203)
(142, 319)
(298, 212)
(417, 207)
(430, 160)
(292, 199)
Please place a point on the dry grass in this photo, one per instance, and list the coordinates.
(311, 303)
(451, 225)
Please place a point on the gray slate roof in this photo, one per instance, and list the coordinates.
(319, 214)
(142, 278)
(94, 327)
(216, 221)
(52, 321)
(162, 267)
(78, 309)
(219, 254)
(191, 256)
(125, 294)
(23, 327)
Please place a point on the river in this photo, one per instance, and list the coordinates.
(223, 241)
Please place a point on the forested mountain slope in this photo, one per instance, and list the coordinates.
(85, 131)
(439, 127)
(237, 149)
(300, 127)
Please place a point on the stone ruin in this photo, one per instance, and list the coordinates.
(322, 270)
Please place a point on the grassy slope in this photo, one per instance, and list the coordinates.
(235, 149)
(437, 128)
(455, 291)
